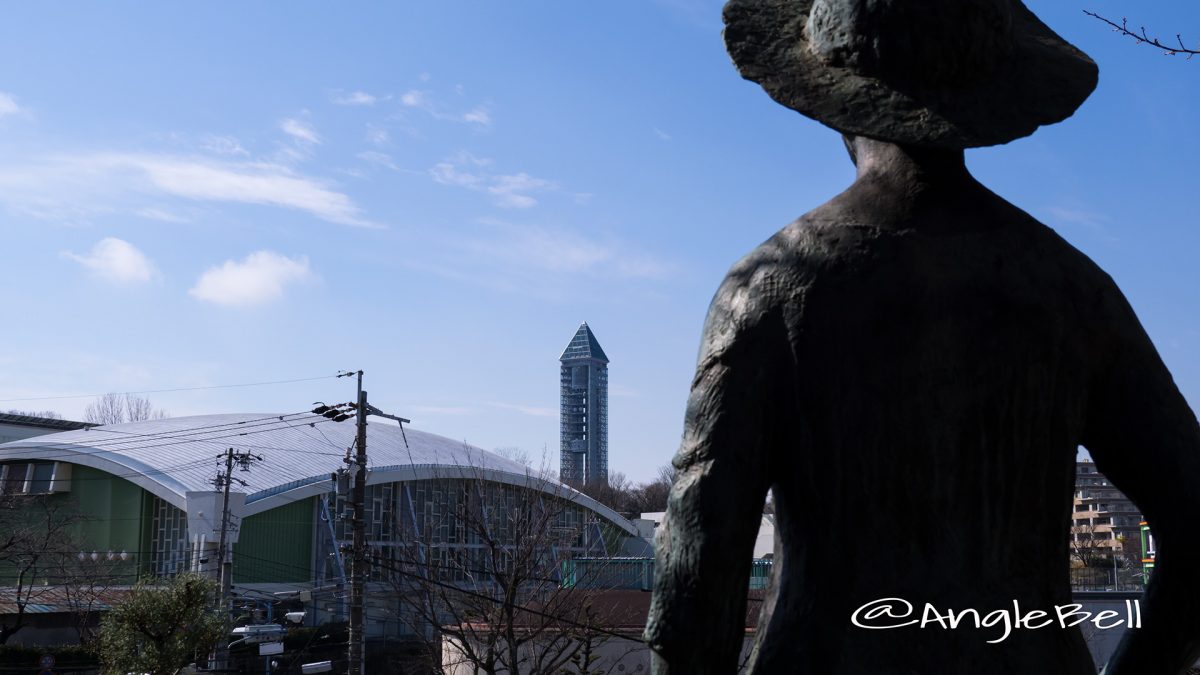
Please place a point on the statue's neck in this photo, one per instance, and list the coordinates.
(906, 186)
(908, 164)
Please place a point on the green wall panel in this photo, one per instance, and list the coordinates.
(276, 545)
(111, 508)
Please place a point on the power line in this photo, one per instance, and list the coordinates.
(164, 391)
(127, 446)
(184, 432)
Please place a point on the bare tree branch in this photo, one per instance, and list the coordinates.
(1141, 37)
(119, 408)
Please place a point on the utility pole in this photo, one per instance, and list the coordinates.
(359, 557)
(223, 481)
(358, 496)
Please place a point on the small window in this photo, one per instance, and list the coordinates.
(14, 479)
(39, 481)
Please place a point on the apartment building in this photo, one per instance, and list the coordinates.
(1104, 522)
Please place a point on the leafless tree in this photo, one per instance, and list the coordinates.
(518, 455)
(120, 408)
(45, 414)
(1096, 559)
(616, 493)
(1142, 37)
(35, 540)
(480, 570)
(651, 496)
(86, 585)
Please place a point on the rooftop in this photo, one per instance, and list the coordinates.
(170, 457)
(42, 422)
(583, 346)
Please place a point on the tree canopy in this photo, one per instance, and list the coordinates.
(160, 629)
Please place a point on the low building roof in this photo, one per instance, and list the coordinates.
(39, 422)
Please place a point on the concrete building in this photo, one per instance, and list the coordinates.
(1105, 530)
(583, 410)
(146, 489)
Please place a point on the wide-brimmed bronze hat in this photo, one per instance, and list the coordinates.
(944, 73)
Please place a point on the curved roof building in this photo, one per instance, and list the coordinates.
(146, 490)
(171, 457)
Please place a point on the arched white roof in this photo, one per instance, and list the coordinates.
(171, 457)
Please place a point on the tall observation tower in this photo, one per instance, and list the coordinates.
(583, 410)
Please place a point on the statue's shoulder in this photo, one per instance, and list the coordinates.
(778, 271)
(820, 241)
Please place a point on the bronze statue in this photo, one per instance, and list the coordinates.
(911, 368)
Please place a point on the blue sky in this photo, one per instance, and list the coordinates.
(438, 193)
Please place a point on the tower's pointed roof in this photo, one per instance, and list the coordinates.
(583, 346)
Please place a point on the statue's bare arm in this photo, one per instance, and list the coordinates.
(1146, 439)
(705, 546)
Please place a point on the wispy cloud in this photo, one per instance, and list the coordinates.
(79, 184)
(415, 98)
(662, 135)
(300, 130)
(419, 99)
(8, 105)
(353, 98)
(378, 158)
(1096, 223)
(163, 215)
(519, 256)
(116, 260)
(378, 135)
(224, 145)
(534, 411)
(479, 116)
(510, 191)
(446, 173)
(507, 190)
(259, 278)
(529, 247)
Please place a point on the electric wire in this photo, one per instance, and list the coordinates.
(163, 391)
(96, 449)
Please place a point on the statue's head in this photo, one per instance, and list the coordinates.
(946, 73)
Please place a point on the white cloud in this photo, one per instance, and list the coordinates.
(506, 190)
(509, 190)
(261, 277)
(378, 158)
(154, 213)
(8, 106)
(464, 157)
(377, 135)
(249, 183)
(1096, 223)
(300, 130)
(354, 98)
(479, 116)
(74, 187)
(224, 145)
(662, 135)
(415, 98)
(446, 173)
(525, 248)
(116, 260)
